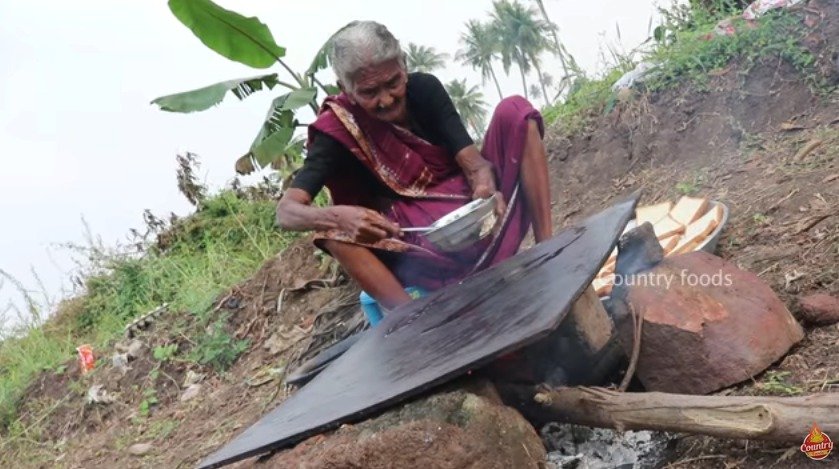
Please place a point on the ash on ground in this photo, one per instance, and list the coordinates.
(578, 447)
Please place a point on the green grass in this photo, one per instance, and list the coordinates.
(760, 219)
(203, 255)
(696, 51)
(691, 183)
(588, 99)
(687, 51)
(216, 347)
(776, 383)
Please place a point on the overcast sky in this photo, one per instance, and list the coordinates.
(79, 139)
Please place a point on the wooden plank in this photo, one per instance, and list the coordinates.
(441, 336)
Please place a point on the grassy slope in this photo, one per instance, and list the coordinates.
(207, 253)
(687, 50)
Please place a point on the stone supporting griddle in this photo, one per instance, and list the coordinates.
(441, 336)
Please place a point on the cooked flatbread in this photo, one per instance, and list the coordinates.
(667, 227)
(652, 213)
(689, 209)
(696, 232)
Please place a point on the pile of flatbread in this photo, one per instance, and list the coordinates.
(680, 228)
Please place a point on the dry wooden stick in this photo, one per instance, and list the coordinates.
(778, 203)
(782, 419)
(807, 149)
(637, 327)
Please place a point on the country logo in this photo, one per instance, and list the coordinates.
(817, 444)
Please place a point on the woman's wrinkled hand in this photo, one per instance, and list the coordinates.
(482, 181)
(480, 175)
(364, 225)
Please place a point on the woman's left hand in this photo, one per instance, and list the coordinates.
(481, 177)
(482, 181)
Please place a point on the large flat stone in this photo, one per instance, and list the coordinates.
(712, 326)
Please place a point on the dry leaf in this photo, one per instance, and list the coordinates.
(790, 277)
(807, 149)
(789, 126)
(283, 339)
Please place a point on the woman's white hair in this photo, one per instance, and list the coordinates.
(360, 44)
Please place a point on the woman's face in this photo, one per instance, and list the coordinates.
(380, 91)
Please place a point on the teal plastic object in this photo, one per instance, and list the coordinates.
(372, 310)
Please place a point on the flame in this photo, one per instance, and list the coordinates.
(816, 435)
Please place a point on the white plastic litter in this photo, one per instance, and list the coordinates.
(96, 394)
(193, 378)
(120, 362)
(191, 393)
(635, 75)
(759, 7)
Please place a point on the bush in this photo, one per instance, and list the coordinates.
(217, 348)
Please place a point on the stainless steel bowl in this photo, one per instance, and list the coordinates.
(709, 245)
(464, 226)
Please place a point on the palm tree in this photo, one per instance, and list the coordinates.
(504, 32)
(566, 60)
(480, 49)
(424, 59)
(535, 91)
(470, 104)
(522, 39)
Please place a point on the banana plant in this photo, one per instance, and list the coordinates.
(249, 41)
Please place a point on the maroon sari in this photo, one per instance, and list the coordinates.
(429, 184)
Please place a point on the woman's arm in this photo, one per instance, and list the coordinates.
(296, 213)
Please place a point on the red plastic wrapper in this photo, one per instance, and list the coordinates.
(86, 358)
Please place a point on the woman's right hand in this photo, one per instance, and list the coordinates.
(364, 225)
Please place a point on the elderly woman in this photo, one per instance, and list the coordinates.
(393, 152)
